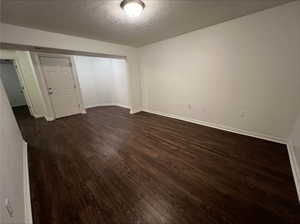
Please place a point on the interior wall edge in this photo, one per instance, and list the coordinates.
(41, 112)
(27, 200)
(40, 82)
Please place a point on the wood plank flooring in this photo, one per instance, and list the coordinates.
(110, 167)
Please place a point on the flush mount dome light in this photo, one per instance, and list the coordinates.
(133, 8)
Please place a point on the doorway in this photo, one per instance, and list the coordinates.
(61, 84)
(13, 85)
(70, 84)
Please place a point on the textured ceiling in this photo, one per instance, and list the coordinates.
(105, 20)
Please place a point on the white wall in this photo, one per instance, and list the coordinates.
(103, 81)
(96, 80)
(121, 82)
(26, 36)
(242, 75)
(11, 163)
(11, 84)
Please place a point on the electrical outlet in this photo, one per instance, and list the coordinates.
(9, 208)
(189, 106)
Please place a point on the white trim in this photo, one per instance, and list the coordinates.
(36, 80)
(49, 118)
(18, 68)
(98, 105)
(295, 167)
(137, 110)
(37, 116)
(221, 127)
(27, 201)
(121, 105)
(44, 87)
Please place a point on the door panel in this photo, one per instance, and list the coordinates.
(61, 85)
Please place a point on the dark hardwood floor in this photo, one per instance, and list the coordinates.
(110, 167)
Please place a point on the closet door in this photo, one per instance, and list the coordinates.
(60, 81)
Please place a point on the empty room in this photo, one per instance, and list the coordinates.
(149, 111)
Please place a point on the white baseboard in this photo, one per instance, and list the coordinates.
(27, 201)
(37, 116)
(222, 127)
(122, 105)
(295, 167)
(49, 118)
(97, 105)
(109, 104)
(135, 110)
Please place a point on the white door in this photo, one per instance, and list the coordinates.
(60, 81)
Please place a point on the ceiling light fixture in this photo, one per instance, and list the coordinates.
(133, 8)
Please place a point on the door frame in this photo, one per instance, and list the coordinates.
(20, 76)
(50, 114)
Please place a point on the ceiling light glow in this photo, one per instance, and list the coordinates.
(133, 8)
